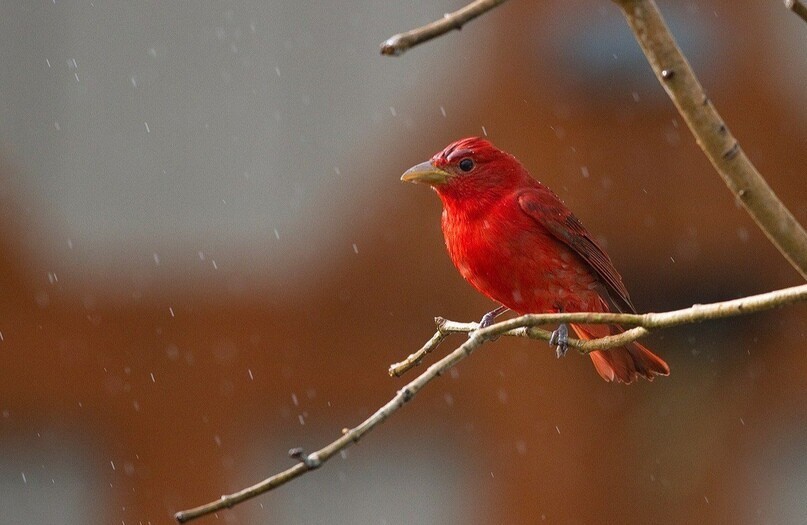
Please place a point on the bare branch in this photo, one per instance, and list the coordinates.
(446, 327)
(712, 134)
(396, 45)
(797, 7)
(414, 359)
(526, 325)
(643, 323)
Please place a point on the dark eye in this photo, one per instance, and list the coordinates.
(466, 164)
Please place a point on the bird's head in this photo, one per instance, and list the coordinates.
(470, 168)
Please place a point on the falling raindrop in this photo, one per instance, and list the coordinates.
(521, 447)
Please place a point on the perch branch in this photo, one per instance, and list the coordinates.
(797, 7)
(527, 325)
(643, 323)
(398, 44)
(712, 134)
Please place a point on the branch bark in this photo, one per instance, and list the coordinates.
(712, 134)
(519, 326)
(797, 7)
(398, 44)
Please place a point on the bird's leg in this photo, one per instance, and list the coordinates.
(488, 319)
(560, 338)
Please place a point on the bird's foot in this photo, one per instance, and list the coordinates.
(488, 319)
(560, 339)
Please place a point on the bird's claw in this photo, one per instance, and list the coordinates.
(560, 339)
(488, 319)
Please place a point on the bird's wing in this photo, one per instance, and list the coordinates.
(545, 208)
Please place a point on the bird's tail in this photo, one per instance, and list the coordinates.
(623, 364)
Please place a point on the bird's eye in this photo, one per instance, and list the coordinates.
(466, 164)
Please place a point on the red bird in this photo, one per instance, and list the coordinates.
(516, 242)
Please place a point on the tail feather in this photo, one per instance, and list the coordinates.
(623, 364)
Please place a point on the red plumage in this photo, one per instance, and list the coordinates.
(516, 242)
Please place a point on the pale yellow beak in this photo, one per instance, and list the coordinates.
(426, 173)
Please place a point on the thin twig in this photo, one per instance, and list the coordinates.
(643, 322)
(446, 327)
(797, 7)
(414, 359)
(396, 45)
(712, 134)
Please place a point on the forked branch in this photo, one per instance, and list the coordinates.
(520, 326)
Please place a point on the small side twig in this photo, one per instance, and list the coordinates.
(797, 7)
(398, 44)
(444, 328)
(643, 323)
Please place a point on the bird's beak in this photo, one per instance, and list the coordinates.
(427, 173)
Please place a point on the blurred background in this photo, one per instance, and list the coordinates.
(207, 258)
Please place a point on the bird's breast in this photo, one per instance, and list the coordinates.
(516, 262)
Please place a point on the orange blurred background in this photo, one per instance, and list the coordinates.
(206, 258)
